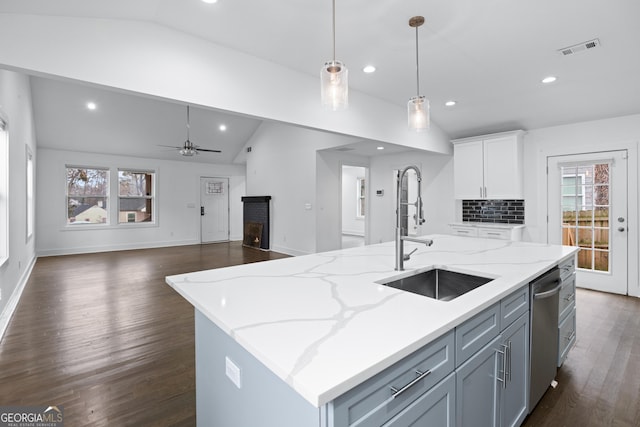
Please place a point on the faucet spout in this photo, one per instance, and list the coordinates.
(401, 232)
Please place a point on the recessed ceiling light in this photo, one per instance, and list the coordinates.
(222, 128)
(380, 148)
(450, 103)
(91, 105)
(369, 69)
(210, 1)
(549, 79)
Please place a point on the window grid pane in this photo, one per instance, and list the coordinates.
(87, 196)
(135, 190)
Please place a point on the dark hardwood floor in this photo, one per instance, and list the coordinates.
(106, 338)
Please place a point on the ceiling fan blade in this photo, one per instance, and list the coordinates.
(169, 146)
(206, 149)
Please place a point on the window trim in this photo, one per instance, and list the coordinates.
(30, 192)
(4, 188)
(152, 197)
(360, 196)
(73, 226)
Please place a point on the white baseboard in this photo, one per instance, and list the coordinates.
(111, 248)
(10, 308)
(288, 251)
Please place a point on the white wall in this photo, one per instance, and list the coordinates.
(351, 224)
(177, 204)
(282, 164)
(437, 193)
(108, 52)
(15, 102)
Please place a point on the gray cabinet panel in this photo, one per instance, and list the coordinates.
(372, 402)
(513, 306)
(515, 396)
(477, 391)
(567, 296)
(434, 408)
(476, 332)
(566, 336)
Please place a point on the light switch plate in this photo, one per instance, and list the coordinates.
(233, 372)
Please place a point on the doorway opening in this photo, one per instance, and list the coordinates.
(354, 205)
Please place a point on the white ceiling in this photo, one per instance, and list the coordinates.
(488, 55)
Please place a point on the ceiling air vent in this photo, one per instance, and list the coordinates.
(580, 47)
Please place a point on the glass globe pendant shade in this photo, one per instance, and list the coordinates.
(334, 86)
(418, 113)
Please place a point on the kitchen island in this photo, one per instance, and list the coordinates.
(278, 342)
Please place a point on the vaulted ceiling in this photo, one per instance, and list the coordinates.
(489, 56)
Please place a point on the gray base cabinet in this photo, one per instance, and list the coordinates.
(434, 408)
(492, 386)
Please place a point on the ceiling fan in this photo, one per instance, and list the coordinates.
(189, 148)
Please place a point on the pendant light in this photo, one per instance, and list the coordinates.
(418, 106)
(334, 76)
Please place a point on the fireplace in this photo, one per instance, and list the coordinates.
(255, 214)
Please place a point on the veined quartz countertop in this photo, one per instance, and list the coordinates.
(323, 325)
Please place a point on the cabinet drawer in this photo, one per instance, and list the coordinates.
(476, 332)
(434, 408)
(372, 403)
(567, 268)
(566, 336)
(514, 306)
(567, 296)
(494, 233)
(464, 231)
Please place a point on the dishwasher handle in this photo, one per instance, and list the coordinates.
(549, 293)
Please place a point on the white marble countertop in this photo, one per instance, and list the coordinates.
(322, 324)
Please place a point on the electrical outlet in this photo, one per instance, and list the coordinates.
(233, 372)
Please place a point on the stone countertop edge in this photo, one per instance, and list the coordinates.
(343, 327)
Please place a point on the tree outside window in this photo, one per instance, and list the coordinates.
(87, 196)
(135, 196)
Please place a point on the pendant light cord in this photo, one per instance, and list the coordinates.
(334, 31)
(417, 66)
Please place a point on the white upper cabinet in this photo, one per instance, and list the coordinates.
(489, 166)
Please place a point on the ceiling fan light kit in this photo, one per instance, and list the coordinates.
(189, 149)
(334, 79)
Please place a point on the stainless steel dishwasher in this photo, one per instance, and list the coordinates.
(544, 333)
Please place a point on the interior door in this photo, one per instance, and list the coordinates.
(587, 208)
(214, 209)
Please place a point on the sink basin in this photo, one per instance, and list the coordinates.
(443, 285)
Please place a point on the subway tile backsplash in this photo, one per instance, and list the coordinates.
(493, 211)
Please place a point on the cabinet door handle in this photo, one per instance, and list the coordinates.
(503, 380)
(509, 360)
(397, 392)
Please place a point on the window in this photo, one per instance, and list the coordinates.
(87, 195)
(30, 207)
(586, 213)
(360, 191)
(4, 192)
(135, 196)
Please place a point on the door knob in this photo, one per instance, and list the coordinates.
(620, 228)
(620, 219)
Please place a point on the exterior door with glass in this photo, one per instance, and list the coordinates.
(587, 208)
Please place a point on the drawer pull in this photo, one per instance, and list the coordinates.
(571, 336)
(494, 234)
(570, 297)
(420, 376)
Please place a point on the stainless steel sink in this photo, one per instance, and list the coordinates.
(443, 285)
